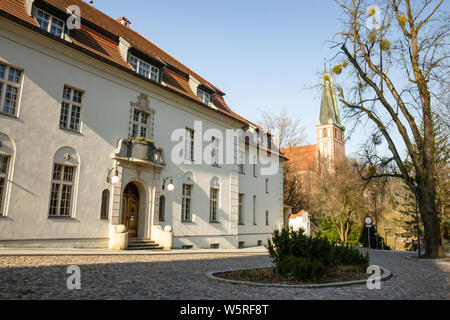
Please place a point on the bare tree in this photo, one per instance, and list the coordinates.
(397, 63)
(339, 195)
(286, 129)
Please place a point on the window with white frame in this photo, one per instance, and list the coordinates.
(4, 160)
(49, 23)
(10, 81)
(61, 195)
(72, 102)
(213, 200)
(186, 203)
(215, 151)
(204, 96)
(141, 122)
(189, 145)
(144, 69)
(241, 208)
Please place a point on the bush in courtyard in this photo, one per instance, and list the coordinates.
(300, 268)
(298, 255)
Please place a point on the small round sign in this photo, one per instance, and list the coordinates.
(368, 220)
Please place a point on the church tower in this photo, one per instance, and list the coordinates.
(330, 132)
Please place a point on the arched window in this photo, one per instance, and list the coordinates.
(162, 208)
(104, 211)
(325, 133)
(65, 165)
(6, 154)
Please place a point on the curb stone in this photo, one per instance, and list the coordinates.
(385, 276)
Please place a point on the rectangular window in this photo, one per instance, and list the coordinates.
(267, 218)
(267, 185)
(186, 203)
(10, 80)
(215, 151)
(214, 195)
(3, 180)
(204, 96)
(71, 105)
(241, 209)
(254, 170)
(61, 191)
(144, 69)
(254, 210)
(189, 145)
(141, 121)
(49, 23)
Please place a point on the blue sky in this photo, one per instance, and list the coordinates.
(262, 54)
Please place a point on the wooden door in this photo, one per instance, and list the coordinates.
(130, 215)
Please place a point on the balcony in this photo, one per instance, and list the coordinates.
(142, 151)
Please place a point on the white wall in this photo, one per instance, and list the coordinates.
(48, 66)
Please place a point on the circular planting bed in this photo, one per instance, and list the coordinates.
(338, 276)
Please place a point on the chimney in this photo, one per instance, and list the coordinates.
(124, 21)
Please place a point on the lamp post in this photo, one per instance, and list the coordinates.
(376, 218)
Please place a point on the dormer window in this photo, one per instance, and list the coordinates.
(49, 23)
(144, 69)
(204, 96)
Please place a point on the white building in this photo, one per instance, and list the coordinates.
(73, 102)
(301, 220)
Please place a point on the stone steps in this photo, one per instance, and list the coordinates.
(142, 244)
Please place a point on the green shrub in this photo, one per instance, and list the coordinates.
(299, 255)
(300, 268)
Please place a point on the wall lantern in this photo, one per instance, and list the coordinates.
(170, 186)
(115, 179)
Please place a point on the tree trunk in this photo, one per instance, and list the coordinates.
(431, 222)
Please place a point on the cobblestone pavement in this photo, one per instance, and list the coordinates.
(182, 276)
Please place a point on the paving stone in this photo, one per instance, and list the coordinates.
(181, 276)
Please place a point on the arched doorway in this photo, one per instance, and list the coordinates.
(130, 209)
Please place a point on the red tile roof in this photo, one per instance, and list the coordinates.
(136, 40)
(92, 40)
(298, 214)
(103, 46)
(301, 157)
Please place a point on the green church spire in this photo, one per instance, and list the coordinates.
(329, 111)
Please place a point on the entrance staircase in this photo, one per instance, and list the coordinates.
(142, 244)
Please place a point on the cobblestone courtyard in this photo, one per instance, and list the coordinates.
(182, 276)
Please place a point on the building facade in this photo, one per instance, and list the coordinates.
(100, 128)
